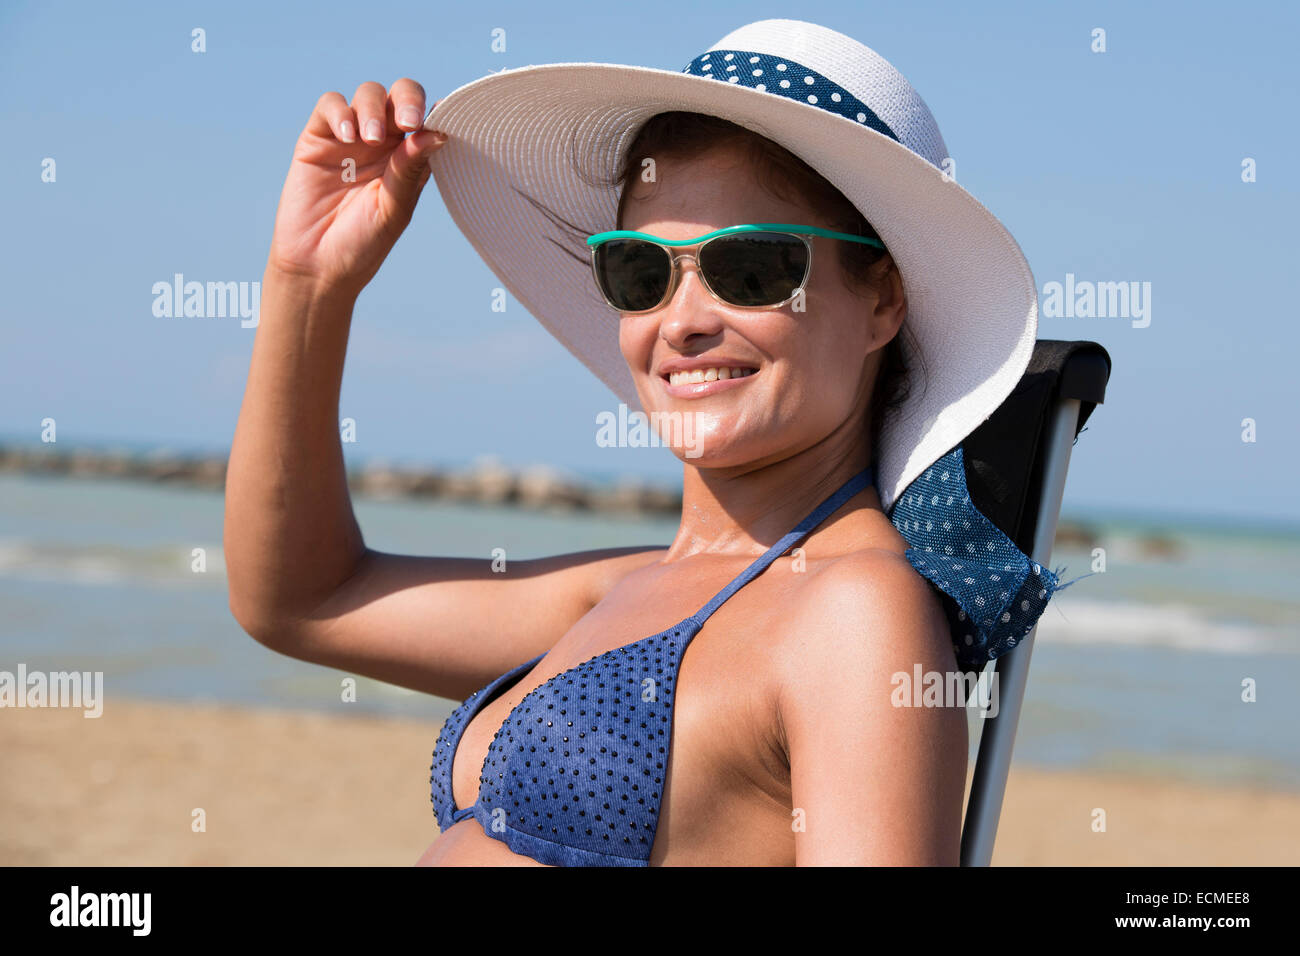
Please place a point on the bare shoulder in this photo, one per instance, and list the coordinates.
(867, 610)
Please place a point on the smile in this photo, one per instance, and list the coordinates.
(696, 376)
(703, 382)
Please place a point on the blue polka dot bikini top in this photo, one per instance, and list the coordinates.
(575, 775)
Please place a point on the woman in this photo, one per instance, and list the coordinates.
(590, 735)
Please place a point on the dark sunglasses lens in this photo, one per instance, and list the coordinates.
(633, 274)
(756, 268)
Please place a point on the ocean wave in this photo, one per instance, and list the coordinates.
(103, 565)
(1167, 624)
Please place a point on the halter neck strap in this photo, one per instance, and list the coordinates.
(858, 482)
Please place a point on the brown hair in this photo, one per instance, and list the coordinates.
(684, 135)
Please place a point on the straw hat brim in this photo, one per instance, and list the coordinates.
(555, 132)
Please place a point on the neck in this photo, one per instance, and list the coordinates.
(744, 510)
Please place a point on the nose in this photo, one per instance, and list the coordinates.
(690, 310)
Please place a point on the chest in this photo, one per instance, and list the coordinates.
(618, 734)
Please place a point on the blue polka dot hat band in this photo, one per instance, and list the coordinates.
(784, 77)
(995, 593)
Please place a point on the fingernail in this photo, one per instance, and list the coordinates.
(347, 133)
(408, 116)
(374, 132)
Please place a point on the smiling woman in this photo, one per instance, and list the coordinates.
(682, 137)
(727, 698)
(815, 358)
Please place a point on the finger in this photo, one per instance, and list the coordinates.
(371, 105)
(407, 172)
(333, 117)
(406, 104)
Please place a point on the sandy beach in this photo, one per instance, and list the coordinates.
(299, 788)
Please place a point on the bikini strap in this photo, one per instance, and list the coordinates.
(861, 480)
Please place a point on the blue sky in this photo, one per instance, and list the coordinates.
(1118, 166)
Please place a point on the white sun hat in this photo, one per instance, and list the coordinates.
(526, 142)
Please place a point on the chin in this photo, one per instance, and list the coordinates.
(731, 453)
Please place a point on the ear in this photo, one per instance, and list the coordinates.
(891, 301)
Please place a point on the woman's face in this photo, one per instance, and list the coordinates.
(814, 368)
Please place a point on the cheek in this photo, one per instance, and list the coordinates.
(635, 341)
(834, 350)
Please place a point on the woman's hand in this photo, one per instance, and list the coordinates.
(353, 185)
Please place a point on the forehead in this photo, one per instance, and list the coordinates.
(695, 195)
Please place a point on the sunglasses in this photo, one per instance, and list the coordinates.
(758, 266)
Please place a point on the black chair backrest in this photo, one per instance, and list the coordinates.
(1005, 454)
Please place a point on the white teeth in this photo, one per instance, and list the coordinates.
(698, 375)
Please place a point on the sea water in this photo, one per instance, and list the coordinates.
(1141, 666)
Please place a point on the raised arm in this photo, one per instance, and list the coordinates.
(301, 579)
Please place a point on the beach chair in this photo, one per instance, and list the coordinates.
(992, 577)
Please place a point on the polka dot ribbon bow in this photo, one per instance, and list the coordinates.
(998, 592)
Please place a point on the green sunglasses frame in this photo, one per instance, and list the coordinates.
(790, 229)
